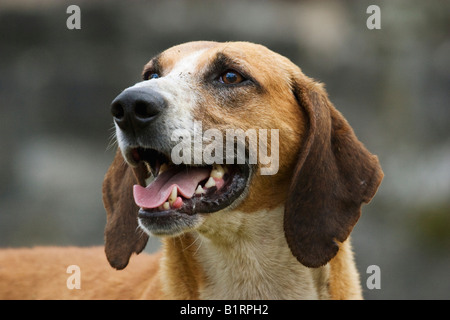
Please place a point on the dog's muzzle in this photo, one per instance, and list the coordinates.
(174, 195)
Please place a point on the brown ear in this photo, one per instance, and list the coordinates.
(334, 176)
(122, 234)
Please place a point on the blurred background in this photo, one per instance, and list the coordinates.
(391, 84)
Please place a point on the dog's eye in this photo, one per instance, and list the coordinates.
(231, 77)
(149, 75)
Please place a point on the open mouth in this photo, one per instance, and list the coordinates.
(186, 189)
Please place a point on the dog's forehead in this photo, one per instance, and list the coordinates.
(171, 57)
(194, 56)
(180, 52)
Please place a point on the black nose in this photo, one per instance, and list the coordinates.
(136, 108)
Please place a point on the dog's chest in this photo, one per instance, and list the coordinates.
(257, 266)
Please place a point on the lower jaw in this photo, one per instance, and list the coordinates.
(170, 223)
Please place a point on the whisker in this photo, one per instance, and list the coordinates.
(112, 139)
(140, 232)
(198, 247)
(195, 240)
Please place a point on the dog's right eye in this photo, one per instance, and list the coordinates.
(151, 75)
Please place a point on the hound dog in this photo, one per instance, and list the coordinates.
(228, 231)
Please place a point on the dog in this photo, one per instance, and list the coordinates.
(227, 230)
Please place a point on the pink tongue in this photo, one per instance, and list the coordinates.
(156, 193)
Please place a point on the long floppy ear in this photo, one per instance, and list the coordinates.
(334, 176)
(122, 234)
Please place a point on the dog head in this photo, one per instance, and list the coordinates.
(179, 134)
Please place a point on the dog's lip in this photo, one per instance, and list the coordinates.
(166, 223)
(153, 214)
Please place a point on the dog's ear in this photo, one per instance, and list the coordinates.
(123, 237)
(333, 177)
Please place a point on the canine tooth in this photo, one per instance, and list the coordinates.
(199, 190)
(166, 206)
(149, 168)
(173, 195)
(210, 183)
(163, 168)
(149, 180)
(156, 168)
(217, 171)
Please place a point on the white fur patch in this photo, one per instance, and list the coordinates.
(179, 88)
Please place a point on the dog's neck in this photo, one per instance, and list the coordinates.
(244, 256)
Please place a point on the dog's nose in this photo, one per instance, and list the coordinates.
(134, 109)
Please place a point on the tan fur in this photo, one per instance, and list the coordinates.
(41, 273)
(344, 277)
(245, 253)
(184, 276)
(248, 258)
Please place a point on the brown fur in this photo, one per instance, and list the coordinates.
(325, 175)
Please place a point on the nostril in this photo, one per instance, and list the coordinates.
(144, 109)
(136, 108)
(117, 110)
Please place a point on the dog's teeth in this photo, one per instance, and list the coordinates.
(149, 180)
(199, 190)
(173, 195)
(217, 172)
(163, 168)
(210, 183)
(156, 168)
(166, 205)
(149, 167)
